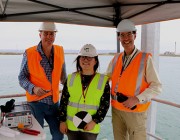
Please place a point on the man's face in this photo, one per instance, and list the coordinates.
(47, 37)
(127, 39)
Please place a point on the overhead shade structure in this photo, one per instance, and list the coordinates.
(104, 13)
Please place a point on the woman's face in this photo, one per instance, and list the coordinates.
(87, 64)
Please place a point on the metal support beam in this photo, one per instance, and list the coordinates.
(2, 7)
(118, 44)
(150, 42)
(117, 16)
(116, 20)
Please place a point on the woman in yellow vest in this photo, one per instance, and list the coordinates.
(85, 98)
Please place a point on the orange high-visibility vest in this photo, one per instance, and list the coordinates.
(131, 82)
(38, 75)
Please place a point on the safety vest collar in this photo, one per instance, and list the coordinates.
(100, 83)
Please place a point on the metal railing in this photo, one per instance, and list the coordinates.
(166, 102)
(154, 99)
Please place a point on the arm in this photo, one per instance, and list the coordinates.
(104, 105)
(102, 110)
(63, 74)
(112, 65)
(63, 103)
(23, 76)
(63, 71)
(152, 78)
(63, 109)
(109, 69)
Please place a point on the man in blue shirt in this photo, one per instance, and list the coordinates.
(42, 69)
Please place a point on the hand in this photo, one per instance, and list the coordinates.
(39, 91)
(131, 102)
(90, 126)
(63, 127)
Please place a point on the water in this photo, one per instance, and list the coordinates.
(168, 122)
(168, 118)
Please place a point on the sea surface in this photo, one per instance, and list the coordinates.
(168, 117)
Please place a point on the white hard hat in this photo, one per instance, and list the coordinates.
(48, 26)
(88, 50)
(125, 26)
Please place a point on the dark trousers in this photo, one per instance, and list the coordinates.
(78, 135)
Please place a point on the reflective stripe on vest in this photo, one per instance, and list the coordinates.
(140, 75)
(70, 118)
(82, 106)
(92, 100)
(113, 66)
(99, 83)
(115, 60)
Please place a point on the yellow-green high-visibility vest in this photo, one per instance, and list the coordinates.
(92, 99)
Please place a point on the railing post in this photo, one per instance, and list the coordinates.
(150, 42)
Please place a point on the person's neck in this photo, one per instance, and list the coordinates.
(87, 72)
(47, 50)
(129, 51)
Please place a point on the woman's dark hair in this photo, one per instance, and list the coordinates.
(78, 67)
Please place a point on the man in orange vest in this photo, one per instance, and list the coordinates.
(42, 70)
(134, 82)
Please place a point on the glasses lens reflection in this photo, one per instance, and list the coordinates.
(86, 58)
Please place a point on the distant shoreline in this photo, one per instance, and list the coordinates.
(12, 53)
(175, 55)
(20, 53)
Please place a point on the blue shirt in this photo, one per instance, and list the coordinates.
(47, 65)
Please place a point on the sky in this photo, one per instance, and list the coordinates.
(22, 35)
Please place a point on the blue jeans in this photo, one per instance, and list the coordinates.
(43, 111)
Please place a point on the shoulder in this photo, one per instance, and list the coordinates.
(57, 46)
(103, 76)
(73, 74)
(146, 53)
(31, 48)
(118, 54)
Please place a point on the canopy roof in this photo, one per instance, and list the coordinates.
(105, 13)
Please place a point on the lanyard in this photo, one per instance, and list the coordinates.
(124, 66)
(84, 92)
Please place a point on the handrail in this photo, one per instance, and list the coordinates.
(153, 99)
(12, 95)
(166, 102)
(157, 138)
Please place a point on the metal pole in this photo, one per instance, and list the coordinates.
(118, 44)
